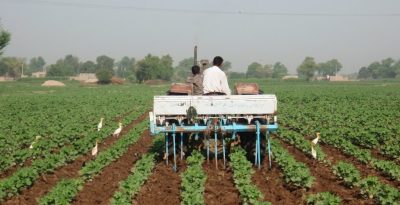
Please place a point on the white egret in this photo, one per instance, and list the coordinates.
(100, 125)
(95, 149)
(118, 130)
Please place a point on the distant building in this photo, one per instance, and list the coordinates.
(85, 77)
(290, 77)
(336, 78)
(40, 74)
(5, 78)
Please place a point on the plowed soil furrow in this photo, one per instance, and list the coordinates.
(11, 170)
(220, 187)
(102, 187)
(272, 185)
(47, 181)
(336, 155)
(325, 180)
(378, 155)
(162, 187)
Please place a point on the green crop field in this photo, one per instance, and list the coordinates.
(47, 135)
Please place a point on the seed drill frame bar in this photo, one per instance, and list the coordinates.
(226, 109)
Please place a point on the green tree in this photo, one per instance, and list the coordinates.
(364, 73)
(69, 66)
(104, 69)
(58, 69)
(165, 69)
(374, 69)
(387, 68)
(254, 70)
(87, 67)
(12, 66)
(125, 67)
(236, 75)
(226, 65)
(152, 67)
(331, 67)
(36, 64)
(307, 68)
(279, 70)
(267, 71)
(397, 69)
(5, 38)
(183, 69)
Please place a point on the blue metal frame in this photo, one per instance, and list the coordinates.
(234, 128)
(200, 128)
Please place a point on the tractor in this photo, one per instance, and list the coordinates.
(215, 124)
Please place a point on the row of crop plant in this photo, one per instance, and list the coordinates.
(92, 168)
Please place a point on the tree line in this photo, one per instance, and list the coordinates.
(154, 67)
(386, 68)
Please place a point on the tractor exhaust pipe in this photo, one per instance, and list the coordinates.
(195, 56)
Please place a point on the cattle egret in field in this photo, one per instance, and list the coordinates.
(313, 152)
(100, 125)
(315, 141)
(118, 130)
(36, 139)
(95, 149)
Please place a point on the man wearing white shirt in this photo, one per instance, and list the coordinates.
(215, 81)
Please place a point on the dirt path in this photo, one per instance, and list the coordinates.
(47, 181)
(272, 185)
(336, 155)
(220, 187)
(163, 186)
(102, 187)
(325, 180)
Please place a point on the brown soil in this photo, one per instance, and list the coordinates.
(220, 187)
(377, 154)
(272, 185)
(10, 171)
(325, 180)
(102, 187)
(47, 181)
(335, 155)
(163, 186)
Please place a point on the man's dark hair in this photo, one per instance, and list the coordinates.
(218, 61)
(195, 69)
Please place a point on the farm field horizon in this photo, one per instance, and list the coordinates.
(47, 135)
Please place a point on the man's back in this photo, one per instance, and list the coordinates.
(215, 81)
(197, 82)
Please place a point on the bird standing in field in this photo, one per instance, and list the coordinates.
(118, 130)
(95, 149)
(36, 140)
(100, 125)
(313, 143)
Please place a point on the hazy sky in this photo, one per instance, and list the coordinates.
(356, 32)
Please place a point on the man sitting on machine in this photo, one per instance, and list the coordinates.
(215, 81)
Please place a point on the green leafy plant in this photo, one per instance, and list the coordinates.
(323, 198)
(193, 180)
(348, 173)
(296, 174)
(242, 171)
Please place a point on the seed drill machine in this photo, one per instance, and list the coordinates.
(215, 124)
